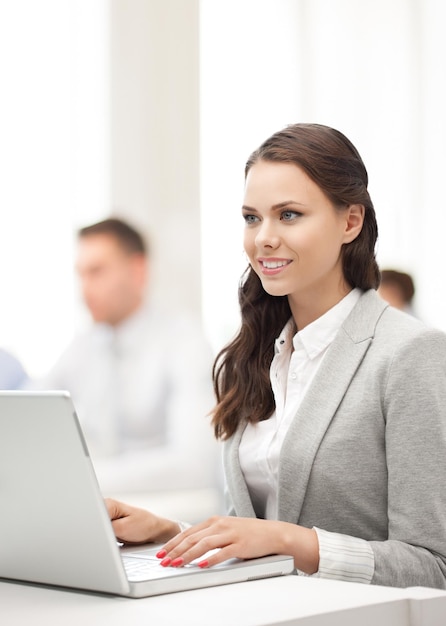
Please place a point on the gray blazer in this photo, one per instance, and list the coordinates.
(366, 452)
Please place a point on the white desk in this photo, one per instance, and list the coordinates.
(285, 601)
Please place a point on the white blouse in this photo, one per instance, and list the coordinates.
(296, 361)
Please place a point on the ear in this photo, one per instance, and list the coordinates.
(139, 269)
(354, 219)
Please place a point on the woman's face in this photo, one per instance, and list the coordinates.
(293, 237)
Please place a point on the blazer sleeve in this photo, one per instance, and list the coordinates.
(414, 402)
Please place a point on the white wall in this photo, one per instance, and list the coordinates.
(250, 78)
(154, 137)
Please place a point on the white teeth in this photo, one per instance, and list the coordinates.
(272, 265)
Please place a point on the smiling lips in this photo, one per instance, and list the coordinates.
(273, 266)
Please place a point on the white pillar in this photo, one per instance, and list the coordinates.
(155, 137)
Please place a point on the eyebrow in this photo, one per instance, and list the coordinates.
(276, 207)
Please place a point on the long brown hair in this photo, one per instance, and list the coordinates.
(241, 369)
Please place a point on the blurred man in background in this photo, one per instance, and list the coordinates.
(398, 289)
(140, 378)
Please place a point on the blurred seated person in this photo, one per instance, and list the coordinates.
(398, 289)
(140, 378)
(12, 372)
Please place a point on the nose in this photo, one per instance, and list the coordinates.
(266, 236)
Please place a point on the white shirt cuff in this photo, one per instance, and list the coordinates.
(343, 557)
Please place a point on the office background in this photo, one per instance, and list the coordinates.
(149, 109)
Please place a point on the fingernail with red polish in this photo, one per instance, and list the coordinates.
(161, 554)
(203, 563)
(177, 562)
(166, 562)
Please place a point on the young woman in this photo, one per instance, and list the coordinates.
(331, 404)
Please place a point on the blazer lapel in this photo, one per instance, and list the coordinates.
(321, 402)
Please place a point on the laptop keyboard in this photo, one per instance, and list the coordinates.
(147, 567)
(140, 569)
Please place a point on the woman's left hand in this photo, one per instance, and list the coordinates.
(237, 537)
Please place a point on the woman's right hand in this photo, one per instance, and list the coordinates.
(136, 526)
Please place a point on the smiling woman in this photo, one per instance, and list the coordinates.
(296, 220)
(329, 248)
(322, 377)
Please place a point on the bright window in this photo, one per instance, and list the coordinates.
(53, 163)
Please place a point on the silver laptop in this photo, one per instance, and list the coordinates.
(54, 526)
